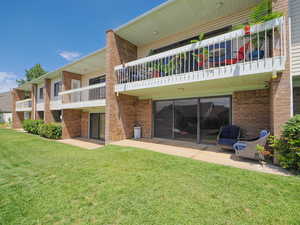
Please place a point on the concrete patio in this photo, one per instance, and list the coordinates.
(211, 154)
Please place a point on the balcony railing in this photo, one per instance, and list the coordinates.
(89, 96)
(259, 49)
(24, 105)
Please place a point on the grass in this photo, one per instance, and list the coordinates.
(46, 182)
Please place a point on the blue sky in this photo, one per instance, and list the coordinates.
(54, 33)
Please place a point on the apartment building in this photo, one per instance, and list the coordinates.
(152, 74)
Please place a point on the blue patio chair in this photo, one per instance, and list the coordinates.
(247, 148)
(228, 136)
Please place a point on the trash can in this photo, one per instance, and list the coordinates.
(137, 132)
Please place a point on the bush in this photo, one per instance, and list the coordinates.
(51, 130)
(287, 146)
(32, 126)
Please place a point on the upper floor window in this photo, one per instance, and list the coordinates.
(57, 88)
(41, 93)
(97, 80)
(188, 40)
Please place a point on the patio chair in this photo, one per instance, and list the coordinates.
(228, 136)
(248, 148)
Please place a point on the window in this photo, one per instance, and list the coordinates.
(57, 88)
(57, 115)
(296, 100)
(96, 93)
(188, 41)
(41, 93)
(97, 80)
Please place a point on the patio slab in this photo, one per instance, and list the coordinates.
(211, 154)
(82, 143)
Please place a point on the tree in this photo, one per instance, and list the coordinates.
(31, 74)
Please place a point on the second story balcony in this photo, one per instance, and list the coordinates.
(24, 105)
(257, 50)
(85, 97)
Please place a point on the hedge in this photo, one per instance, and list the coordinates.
(287, 146)
(51, 130)
(32, 126)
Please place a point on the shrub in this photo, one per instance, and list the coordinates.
(32, 126)
(51, 130)
(288, 145)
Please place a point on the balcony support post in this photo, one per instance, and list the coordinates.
(120, 110)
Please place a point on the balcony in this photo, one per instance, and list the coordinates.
(258, 52)
(86, 97)
(24, 105)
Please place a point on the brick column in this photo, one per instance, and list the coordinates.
(280, 88)
(120, 109)
(48, 116)
(34, 114)
(18, 117)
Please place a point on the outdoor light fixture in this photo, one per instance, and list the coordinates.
(155, 32)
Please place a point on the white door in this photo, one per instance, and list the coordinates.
(75, 97)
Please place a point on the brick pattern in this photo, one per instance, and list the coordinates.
(71, 123)
(144, 117)
(280, 88)
(251, 111)
(85, 124)
(120, 110)
(34, 113)
(17, 117)
(48, 116)
(67, 78)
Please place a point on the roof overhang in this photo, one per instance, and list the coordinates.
(178, 15)
(88, 64)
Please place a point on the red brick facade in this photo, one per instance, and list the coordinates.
(120, 109)
(67, 78)
(71, 123)
(144, 117)
(48, 116)
(18, 117)
(251, 111)
(85, 124)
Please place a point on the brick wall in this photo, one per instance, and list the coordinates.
(33, 99)
(67, 78)
(71, 123)
(144, 117)
(48, 116)
(120, 110)
(85, 124)
(280, 88)
(251, 111)
(17, 117)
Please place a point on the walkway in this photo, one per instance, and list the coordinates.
(82, 143)
(211, 154)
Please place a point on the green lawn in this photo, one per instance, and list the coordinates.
(45, 182)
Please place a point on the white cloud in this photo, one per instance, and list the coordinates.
(67, 55)
(7, 81)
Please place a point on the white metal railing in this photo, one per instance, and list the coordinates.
(84, 94)
(263, 42)
(24, 105)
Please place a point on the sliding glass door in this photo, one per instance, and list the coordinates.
(185, 115)
(195, 120)
(214, 113)
(97, 126)
(164, 119)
